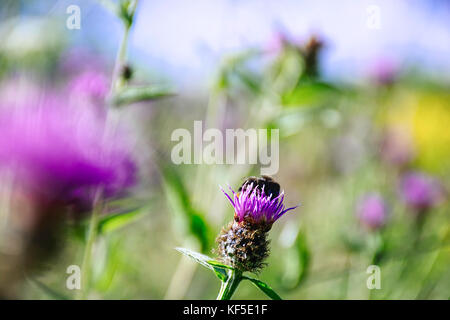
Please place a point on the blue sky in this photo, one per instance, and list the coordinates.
(186, 39)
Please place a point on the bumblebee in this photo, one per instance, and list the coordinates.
(270, 186)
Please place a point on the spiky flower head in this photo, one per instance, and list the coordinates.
(258, 202)
(257, 205)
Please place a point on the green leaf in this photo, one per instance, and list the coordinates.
(285, 72)
(220, 269)
(113, 222)
(127, 9)
(47, 290)
(250, 80)
(296, 262)
(198, 257)
(120, 213)
(304, 256)
(199, 227)
(218, 264)
(309, 94)
(131, 95)
(187, 219)
(234, 67)
(264, 287)
(109, 262)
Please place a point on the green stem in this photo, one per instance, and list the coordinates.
(428, 283)
(117, 81)
(377, 256)
(85, 266)
(346, 279)
(230, 285)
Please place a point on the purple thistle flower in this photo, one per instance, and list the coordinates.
(372, 211)
(61, 153)
(254, 205)
(419, 191)
(243, 243)
(56, 156)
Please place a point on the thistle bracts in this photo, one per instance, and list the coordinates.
(243, 246)
(243, 243)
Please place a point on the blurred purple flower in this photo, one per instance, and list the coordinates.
(276, 43)
(372, 211)
(383, 71)
(397, 147)
(89, 84)
(63, 153)
(419, 191)
(78, 60)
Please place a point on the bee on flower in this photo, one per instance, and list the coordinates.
(243, 244)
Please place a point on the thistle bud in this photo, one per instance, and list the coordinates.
(419, 191)
(311, 52)
(126, 72)
(243, 244)
(372, 211)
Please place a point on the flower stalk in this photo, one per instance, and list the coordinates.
(127, 16)
(230, 285)
(87, 255)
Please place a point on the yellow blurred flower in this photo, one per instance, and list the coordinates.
(426, 118)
